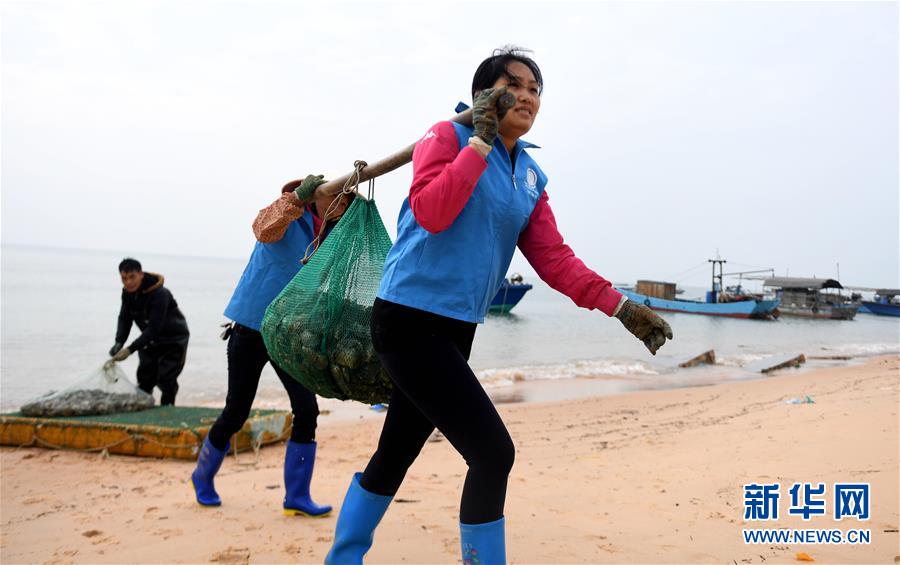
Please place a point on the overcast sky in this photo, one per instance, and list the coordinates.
(768, 131)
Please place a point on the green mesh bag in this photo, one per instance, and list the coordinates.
(317, 329)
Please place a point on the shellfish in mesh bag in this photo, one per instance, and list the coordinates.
(317, 329)
(105, 390)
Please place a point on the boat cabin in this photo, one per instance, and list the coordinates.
(887, 296)
(809, 297)
(656, 289)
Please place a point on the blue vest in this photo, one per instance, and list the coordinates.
(271, 267)
(456, 272)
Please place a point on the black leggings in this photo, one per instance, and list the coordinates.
(427, 356)
(247, 356)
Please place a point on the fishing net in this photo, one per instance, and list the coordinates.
(106, 390)
(317, 329)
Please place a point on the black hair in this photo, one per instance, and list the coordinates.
(494, 67)
(129, 265)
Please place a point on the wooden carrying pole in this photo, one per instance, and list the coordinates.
(385, 165)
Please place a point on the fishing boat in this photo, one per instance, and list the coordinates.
(660, 295)
(886, 302)
(511, 292)
(808, 298)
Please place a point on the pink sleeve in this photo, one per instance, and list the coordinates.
(556, 264)
(443, 178)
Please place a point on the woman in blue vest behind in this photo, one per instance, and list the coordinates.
(283, 231)
(476, 195)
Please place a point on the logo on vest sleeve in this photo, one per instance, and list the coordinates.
(531, 182)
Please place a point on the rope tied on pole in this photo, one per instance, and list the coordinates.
(351, 186)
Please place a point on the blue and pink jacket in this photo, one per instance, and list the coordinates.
(461, 223)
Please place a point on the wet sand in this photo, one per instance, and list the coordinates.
(645, 477)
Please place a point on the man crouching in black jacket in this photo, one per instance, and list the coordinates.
(162, 345)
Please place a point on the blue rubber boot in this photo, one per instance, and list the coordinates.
(299, 460)
(483, 544)
(360, 514)
(208, 463)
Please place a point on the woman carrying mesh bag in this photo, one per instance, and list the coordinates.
(283, 232)
(476, 195)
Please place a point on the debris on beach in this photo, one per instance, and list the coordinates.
(705, 358)
(793, 362)
(797, 400)
(801, 556)
(831, 357)
(232, 556)
(770, 364)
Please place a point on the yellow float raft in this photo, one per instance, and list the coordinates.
(164, 431)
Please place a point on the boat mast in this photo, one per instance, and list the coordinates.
(713, 295)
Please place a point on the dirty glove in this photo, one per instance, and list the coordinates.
(488, 109)
(121, 355)
(115, 348)
(308, 187)
(645, 324)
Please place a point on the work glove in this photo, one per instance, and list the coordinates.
(121, 354)
(488, 109)
(645, 324)
(115, 348)
(308, 187)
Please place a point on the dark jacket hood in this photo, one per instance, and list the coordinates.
(151, 282)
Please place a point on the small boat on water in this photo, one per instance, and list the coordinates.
(886, 302)
(660, 295)
(807, 298)
(511, 292)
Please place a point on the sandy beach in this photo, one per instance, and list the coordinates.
(649, 477)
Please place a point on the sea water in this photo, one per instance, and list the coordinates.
(58, 312)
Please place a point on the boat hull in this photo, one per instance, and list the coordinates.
(507, 297)
(880, 309)
(822, 313)
(743, 309)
